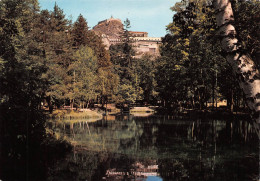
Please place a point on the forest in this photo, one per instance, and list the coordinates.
(48, 62)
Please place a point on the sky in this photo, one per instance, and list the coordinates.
(151, 16)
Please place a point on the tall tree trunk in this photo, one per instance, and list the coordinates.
(200, 104)
(243, 66)
(213, 94)
(232, 101)
(87, 104)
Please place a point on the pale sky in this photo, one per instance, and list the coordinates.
(151, 16)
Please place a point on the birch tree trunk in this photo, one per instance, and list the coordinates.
(243, 66)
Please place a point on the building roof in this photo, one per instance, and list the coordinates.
(147, 38)
(138, 32)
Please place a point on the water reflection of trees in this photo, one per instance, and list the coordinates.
(183, 149)
(213, 150)
(114, 136)
(78, 166)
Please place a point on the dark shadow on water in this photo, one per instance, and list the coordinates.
(26, 150)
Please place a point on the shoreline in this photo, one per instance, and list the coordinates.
(96, 114)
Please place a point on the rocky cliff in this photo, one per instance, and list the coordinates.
(111, 28)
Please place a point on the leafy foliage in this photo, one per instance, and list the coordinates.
(83, 73)
(247, 16)
(21, 88)
(126, 67)
(189, 70)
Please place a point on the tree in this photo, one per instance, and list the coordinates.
(122, 54)
(107, 83)
(144, 70)
(83, 72)
(128, 51)
(247, 19)
(242, 64)
(21, 68)
(58, 22)
(80, 32)
(188, 59)
(127, 93)
(56, 45)
(95, 42)
(82, 36)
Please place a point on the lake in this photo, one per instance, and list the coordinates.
(157, 148)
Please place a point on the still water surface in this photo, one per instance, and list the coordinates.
(157, 148)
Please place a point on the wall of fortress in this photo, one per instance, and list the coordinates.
(110, 31)
(146, 45)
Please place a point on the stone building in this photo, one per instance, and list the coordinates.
(111, 30)
(146, 45)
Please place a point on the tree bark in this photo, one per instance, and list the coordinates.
(243, 66)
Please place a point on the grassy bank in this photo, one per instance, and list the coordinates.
(72, 114)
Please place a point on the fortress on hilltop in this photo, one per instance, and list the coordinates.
(111, 30)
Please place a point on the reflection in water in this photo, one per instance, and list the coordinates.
(158, 148)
